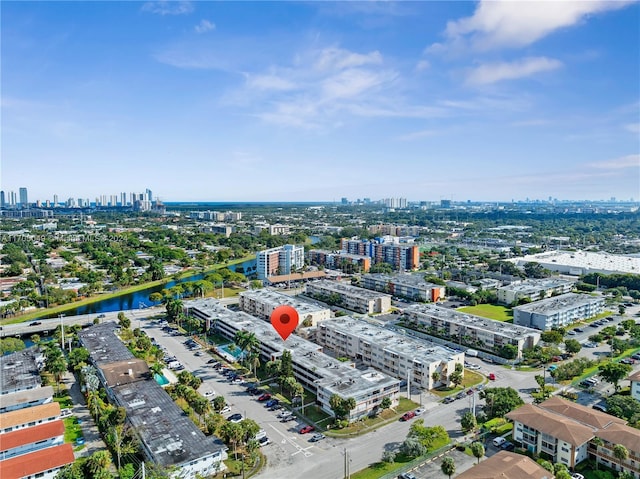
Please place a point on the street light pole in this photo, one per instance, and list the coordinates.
(62, 331)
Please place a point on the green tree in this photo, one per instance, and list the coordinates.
(11, 345)
(621, 453)
(448, 466)
(477, 449)
(553, 336)
(55, 362)
(341, 407)
(614, 372)
(456, 378)
(412, 447)
(385, 403)
(572, 346)
(468, 422)
(123, 321)
(98, 462)
(250, 428)
(218, 403)
(78, 358)
(500, 401)
(232, 433)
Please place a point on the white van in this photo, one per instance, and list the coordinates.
(471, 352)
(260, 434)
(499, 441)
(174, 365)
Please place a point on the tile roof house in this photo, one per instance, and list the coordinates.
(45, 463)
(507, 465)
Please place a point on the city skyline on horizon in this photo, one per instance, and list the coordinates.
(269, 102)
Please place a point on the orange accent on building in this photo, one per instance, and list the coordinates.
(29, 414)
(37, 461)
(29, 435)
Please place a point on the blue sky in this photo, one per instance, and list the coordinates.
(242, 101)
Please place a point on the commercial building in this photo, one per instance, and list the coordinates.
(279, 261)
(31, 431)
(506, 465)
(566, 431)
(319, 373)
(470, 330)
(167, 436)
(410, 286)
(349, 297)
(262, 302)
(558, 311)
(346, 262)
(582, 262)
(389, 352)
(534, 289)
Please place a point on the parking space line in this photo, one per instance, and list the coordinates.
(299, 449)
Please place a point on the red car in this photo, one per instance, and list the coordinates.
(408, 415)
(307, 429)
(264, 397)
(491, 376)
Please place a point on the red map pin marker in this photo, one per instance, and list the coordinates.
(284, 319)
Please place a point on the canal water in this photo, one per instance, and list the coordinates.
(140, 299)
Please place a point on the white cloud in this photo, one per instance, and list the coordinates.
(495, 72)
(166, 7)
(423, 65)
(629, 161)
(204, 26)
(633, 128)
(353, 82)
(511, 24)
(269, 81)
(417, 135)
(337, 59)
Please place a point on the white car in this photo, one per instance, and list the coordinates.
(209, 394)
(225, 410)
(65, 413)
(577, 475)
(499, 441)
(419, 411)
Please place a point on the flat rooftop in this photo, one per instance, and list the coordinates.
(274, 298)
(424, 352)
(560, 303)
(347, 289)
(534, 286)
(403, 279)
(342, 254)
(586, 260)
(471, 321)
(169, 434)
(20, 371)
(332, 373)
(103, 344)
(26, 396)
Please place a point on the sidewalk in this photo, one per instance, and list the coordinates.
(93, 440)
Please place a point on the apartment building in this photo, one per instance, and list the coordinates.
(31, 431)
(316, 371)
(262, 302)
(534, 289)
(167, 437)
(399, 256)
(410, 286)
(279, 260)
(470, 330)
(566, 430)
(506, 465)
(349, 297)
(345, 262)
(634, 379)
(558, 311)
(389, 352)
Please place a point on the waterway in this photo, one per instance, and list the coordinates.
(140, 299)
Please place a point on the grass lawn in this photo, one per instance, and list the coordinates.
(471, 378)
(386, 416)
(65, 400)
(317, 415)
(491, 311)
(379, 469)
(72, 429)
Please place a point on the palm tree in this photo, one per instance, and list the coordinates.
(596, 441)
(621, 453)
(477, 449)
(448, 466)
(99, 461)
(198, 289)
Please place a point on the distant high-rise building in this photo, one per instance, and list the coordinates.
(445, 203)
(113, 201)
(12, 198)
(123, 199)
(2, 200)
(55, 200)
(149, 195)
(344, 201)
(24, 201)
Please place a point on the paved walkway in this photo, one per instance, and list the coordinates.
(93, 440)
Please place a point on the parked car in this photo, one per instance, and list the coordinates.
(628, 361)
(408, 415)
(225, 410)
(578, 330)
(419, 411)
(499, 441)
(288, 418)
(406, 475)
(460, 395)
(264, 397)
(271, 402)
(317, 437)
(491, 376)
(235, 417)
(35, 323)
(263, 441)
(66, 412)
(507, 446)
(577, 475)
(275, 407)
(306, 429)
(448, 400)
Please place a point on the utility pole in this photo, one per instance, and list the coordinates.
(62, 331)
(409, 383)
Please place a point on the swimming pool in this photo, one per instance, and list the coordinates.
(160, 379)
(232, 350)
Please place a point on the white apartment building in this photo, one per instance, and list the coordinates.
(316, 371)
(470, 330)
(634, 379)
(389, 352)
(411, 286)
(350, 297)
(262, 302)
(280, 260)
(558, 311)
(534, 289)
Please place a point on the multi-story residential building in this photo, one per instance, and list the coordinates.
(506, 465)
(24, 199)
(389, 352)
(279, 261)
(262, 302)
(469, 330)
(349, 297)
(558, 311)
(167, 437)
(411, 286)
(31, 431)
(219, 229)
(399, 256)
(534, 289)
(634, 379)
(566, 431)
(316, 371)
(346, 262)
